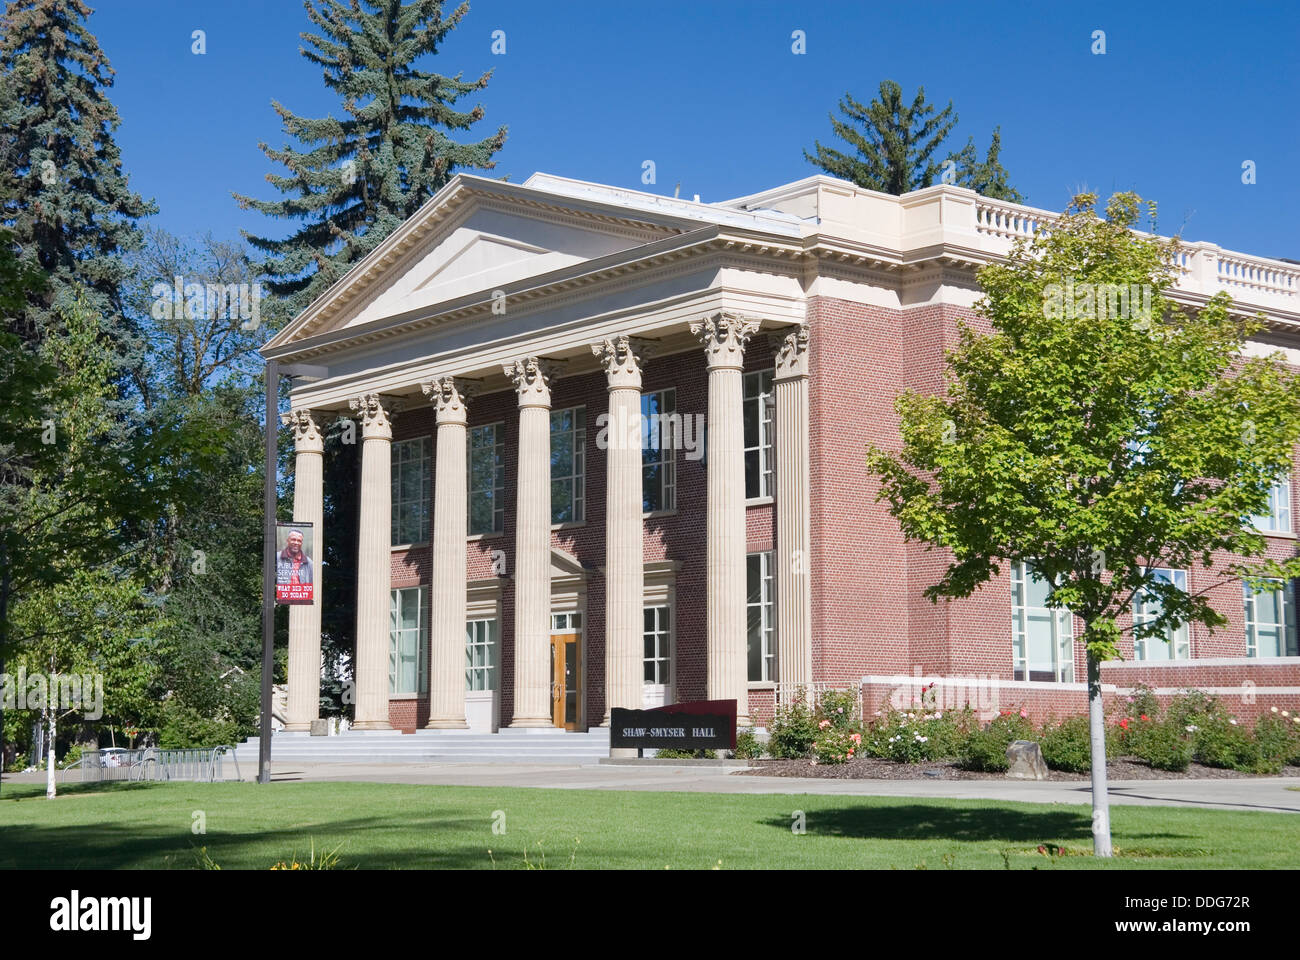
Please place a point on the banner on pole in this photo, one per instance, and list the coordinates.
(295, 563)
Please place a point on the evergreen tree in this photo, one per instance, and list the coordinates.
(359, 177)
(897, 146)
(987, 178)
(65, 196)
(896, 143)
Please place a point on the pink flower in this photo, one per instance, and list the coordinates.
(1024, 714)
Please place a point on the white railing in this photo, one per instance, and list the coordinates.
(1206, 268)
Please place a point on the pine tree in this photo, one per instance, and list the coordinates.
(988, 178)
(357, 178)
(65, 197)
(896, 144)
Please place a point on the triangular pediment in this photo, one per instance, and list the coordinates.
(476, 236)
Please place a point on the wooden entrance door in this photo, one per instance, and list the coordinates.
(565, 679)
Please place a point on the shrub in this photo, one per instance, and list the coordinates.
(672, 753)
(835, 744)
(1066, 745)
(184, 726)
(794, 728)
(1277, 742)
(748, 746)
(840, 707)
(914, 736)
(1162, 743)
(986, 749)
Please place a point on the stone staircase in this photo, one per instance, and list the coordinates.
(441, 746)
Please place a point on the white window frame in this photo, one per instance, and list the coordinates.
(497, 489)
(665, 454)
(760, 409)
(576, 479)
(766, 607)
(1283, 594)
(1278, 518)
(1177, 641)
(481, 637)
(407, 456)
(1062, 625)
(400, 638)
(660, 635)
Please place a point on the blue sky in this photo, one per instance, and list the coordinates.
(711, 92)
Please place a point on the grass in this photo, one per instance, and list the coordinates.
(375, 825)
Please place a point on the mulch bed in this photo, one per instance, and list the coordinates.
(868, 768)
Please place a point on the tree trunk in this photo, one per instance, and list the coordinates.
(49, 763)
(1097, 735)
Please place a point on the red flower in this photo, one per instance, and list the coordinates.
(1145, 717)
(1124, 723)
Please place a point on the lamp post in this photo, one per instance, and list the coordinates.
(274, 371)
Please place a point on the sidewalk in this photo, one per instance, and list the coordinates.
(1268, 794)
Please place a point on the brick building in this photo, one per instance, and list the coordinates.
(612, 455)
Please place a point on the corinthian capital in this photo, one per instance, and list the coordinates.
(373, 411)
(307, 437)
(532, 378)
(791, 353)
(724, 336)
(622, 357)
(450, 398)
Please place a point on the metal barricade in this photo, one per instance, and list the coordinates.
(197, 764)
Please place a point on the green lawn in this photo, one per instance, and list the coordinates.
(390, 825)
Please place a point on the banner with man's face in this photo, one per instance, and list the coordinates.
(295, 563)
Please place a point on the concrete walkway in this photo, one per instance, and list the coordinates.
(1246, 793)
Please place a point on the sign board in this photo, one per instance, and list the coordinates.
(703, 725)
(295, 563)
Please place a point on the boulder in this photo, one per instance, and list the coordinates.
(320, 728)
(1025, 761)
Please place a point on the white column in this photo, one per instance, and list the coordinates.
(724, 337)
(304, 620)
(374, 560)
(793, 506)
(624, 554)
(450, 527)
(532, 379)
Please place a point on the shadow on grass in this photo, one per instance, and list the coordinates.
(906, 821)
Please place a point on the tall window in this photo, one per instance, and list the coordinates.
(1175, 642)
(758, 434)
(1278, 517)
(480, 655)
(1271, 621)
(568, 464)
(761, 608)
(408, 640)
(411, 479)
(487, 478)
(657, 626)
(658, 451)
(1042, 638)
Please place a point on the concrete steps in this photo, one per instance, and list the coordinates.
(513, 746)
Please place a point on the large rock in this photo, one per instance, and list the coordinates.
(320, 728)
(1025, 761)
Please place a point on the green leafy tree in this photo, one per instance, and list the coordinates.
(357, 178)
(897, 147)
(1095, 439)
(65, 196)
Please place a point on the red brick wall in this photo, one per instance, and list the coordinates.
(869, 614)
